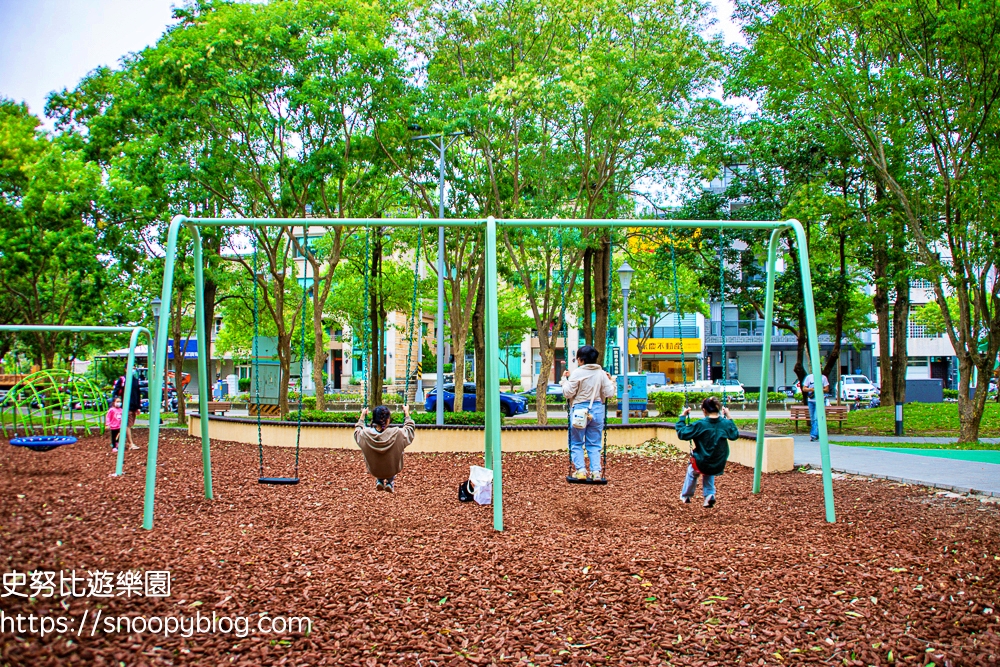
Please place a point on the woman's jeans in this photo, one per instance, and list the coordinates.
(691, 483)
(589, 437)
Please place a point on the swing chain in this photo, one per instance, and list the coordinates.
(722, 322)
(302, 345)
(255, 364)
(366, 324)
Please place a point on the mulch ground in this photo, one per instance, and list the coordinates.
(621, 574)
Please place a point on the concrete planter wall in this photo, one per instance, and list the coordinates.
(778, 450)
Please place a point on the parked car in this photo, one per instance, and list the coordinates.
(788, 390)
(510, 404)
(856, 388)
(733, 389)
(553, 389)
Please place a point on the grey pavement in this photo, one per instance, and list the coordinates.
(950, 474)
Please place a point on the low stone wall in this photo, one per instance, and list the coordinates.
(778, 450)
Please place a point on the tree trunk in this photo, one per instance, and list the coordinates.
(179, 375)
(541, 390)
(284, 371)
(588, 297)
(211, 246)
(458, 339)
(479, 345)
(880, 302)
(970, 410)
(602, 267)
(800, 354)
(319, 352)
(900, 322)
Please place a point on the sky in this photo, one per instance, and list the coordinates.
(49, 45)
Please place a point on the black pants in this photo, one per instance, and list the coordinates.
(114, 437)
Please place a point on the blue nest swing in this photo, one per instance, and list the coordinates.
(43, 443)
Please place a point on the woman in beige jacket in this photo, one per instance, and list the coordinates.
(585, 390)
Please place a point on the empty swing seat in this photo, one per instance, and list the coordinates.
(587, 480)
(43, 443)
(278, 480)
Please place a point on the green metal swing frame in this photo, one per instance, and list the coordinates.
(136, 332)
(493, 449)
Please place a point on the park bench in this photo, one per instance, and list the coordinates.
(834, 413)
(219, 407)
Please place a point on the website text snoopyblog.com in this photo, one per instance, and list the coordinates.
(92, 623)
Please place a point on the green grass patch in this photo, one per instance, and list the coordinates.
(987, 446)
(919, 419)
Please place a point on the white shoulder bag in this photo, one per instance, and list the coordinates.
(581, 416)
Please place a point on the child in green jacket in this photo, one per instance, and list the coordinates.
(711, 437)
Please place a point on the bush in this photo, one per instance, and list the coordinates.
(668, 403)
(448, 368)
(244, 384)
(951, 393)
(772, 397)
(453, 418)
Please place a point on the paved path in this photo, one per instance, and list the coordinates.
(943, 473)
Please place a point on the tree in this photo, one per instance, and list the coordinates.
(269, 110)
(913, 86)
(51, 244)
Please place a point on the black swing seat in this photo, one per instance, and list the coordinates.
(277, 480)
(587, 480)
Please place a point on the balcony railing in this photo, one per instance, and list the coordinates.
(749, 332)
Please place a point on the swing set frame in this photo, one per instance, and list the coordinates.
(493, 449)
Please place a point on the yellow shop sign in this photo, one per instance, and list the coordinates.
(665, 346)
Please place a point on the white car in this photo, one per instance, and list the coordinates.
(856, 388)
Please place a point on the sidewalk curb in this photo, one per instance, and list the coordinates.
(903, 480)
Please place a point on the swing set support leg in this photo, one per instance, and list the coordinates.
(493, 454)
(814, 360)
(156, 381)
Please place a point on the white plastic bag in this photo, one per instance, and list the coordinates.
(482, 484)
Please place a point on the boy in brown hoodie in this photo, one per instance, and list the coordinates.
(383, 445)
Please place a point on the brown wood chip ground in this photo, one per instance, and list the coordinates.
(615, 575)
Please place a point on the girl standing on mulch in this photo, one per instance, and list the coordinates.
(113, 422)
(383, 445)
(711, 437)
(585, 390)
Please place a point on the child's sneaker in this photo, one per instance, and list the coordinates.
(114, 450)
(685, 500)
(379, 485)
(710, 501)
(388, 485)
(579, 474)
(594, 475)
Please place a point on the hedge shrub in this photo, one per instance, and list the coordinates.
(667, 402)
(772, 397)
(950, 393)
(450, 418)
(244, 384)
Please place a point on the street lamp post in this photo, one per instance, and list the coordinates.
(625, 278)
(441, 142)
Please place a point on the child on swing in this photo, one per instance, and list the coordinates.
(383, 445)
(711, 437)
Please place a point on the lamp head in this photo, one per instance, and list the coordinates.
(625, 276)
(155, 304)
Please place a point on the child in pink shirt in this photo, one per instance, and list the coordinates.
(113, 422)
